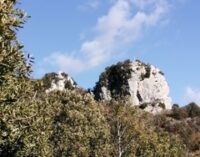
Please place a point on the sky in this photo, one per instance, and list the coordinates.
(82, 37)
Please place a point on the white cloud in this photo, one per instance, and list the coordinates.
(125, 22)
(90, 4)
(94, 4)
(192, 95)
(65, 62)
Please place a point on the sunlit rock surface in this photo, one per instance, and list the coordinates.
(58, 82)
(144, 83)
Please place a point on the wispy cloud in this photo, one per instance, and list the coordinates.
(90, 4)
(192, 95)
(125, 22)
(65, 61)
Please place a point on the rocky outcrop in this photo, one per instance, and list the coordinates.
(144, 83)
(58, 82)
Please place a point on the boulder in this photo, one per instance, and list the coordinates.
(144, 83)
(58, 82)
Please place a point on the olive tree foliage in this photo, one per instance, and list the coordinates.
(133, 134)
(14, 66)
(60, 124)
(80, 129)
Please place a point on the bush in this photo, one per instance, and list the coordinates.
(182, 123)
(60, 124)
(193, 110)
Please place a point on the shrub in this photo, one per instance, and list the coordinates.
(60, 124)
(193, 110)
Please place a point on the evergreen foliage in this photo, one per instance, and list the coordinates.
(62, 124)
(14, 66)
(115, 79)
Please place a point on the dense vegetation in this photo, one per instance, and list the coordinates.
(115, 80)
(71, 123)
(184, 122)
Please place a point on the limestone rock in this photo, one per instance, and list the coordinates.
(105, 95)
(58, 82)
(145, 84)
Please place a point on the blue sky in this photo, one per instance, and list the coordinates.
(82, 37)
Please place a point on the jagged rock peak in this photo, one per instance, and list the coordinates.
(144, 83)
(58, 81)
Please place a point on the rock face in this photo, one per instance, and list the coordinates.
(144, 83)
(60, 82)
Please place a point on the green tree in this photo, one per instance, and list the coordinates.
(60, 124)
(133, 134)
(193, 110)
(14, 66)
(80, 129)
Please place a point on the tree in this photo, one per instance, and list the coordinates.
(80, 129)
(193, 110)
(133, 134)
(14, 66)
(60, 124)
